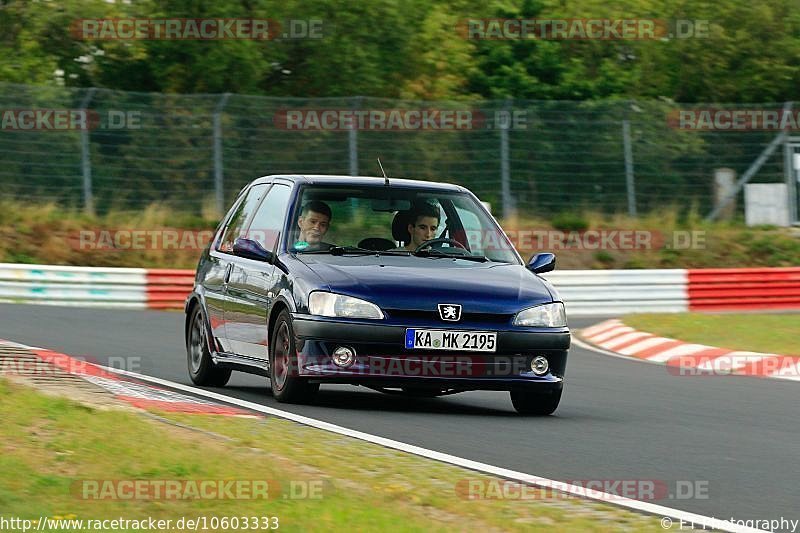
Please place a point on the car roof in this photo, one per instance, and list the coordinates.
(320, 179)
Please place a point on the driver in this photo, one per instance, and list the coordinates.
(424, 221)
(314, 222)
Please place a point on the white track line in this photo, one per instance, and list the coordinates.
(522, 477)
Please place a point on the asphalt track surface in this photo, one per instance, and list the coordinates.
(618, 419)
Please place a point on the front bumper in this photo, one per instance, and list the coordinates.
(382, 359)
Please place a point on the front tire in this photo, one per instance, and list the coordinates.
(202, 369)
(535, 403)
(287, 386)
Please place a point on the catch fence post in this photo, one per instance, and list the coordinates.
(219, 183)
(86, 161)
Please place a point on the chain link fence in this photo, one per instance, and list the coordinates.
(542, 157)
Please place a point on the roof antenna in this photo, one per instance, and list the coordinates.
(384, 173)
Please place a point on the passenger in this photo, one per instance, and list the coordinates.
(314, 222)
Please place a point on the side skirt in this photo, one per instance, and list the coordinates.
(241, 363)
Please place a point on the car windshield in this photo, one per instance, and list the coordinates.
(395, 221)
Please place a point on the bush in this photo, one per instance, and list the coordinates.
(570, 222)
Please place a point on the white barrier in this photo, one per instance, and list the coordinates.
(73, 286)
(614, 292)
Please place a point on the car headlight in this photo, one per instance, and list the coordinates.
(546, 316)
(341, 306)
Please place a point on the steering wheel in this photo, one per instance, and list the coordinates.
(441, 240)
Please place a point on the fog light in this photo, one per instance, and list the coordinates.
(539, 365)
(344, 357)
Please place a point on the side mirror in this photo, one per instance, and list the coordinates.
(250, 249)
(541, 263)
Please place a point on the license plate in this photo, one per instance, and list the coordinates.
(438, 339)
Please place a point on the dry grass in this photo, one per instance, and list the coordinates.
(677, 241)
(46, 233)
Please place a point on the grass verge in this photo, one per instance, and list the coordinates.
(752, 332)
(50, 444)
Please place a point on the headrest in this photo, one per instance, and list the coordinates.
(400, 227)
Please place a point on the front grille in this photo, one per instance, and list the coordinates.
(485, 318)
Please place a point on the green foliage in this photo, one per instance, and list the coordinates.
(605, 259)
(750, 54)
(570, 221)
(412, 49)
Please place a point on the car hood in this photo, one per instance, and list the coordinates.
(419, 283)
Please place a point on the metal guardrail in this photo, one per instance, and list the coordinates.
(136, 288)
(74, 286)
(585, 292)
(616, 292)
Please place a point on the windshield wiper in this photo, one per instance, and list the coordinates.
(341, 250)
(436, 253)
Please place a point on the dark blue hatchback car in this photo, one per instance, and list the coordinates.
(403, 286)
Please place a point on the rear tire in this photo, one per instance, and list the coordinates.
(202, 369)
(535, 403)
(287, 386)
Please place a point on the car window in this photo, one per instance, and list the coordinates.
(237, 222)
(376, 218)
(483, 236)
(268, 220)
(472, 227)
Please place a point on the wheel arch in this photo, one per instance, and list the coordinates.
(280, 305)
(192, 302)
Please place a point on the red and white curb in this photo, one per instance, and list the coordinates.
(131, 391)
(683, 358)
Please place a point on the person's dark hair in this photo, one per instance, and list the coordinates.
(318, 207)
(422, 209)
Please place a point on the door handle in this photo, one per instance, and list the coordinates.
(228, 273)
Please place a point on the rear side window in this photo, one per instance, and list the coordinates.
(236, 225)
